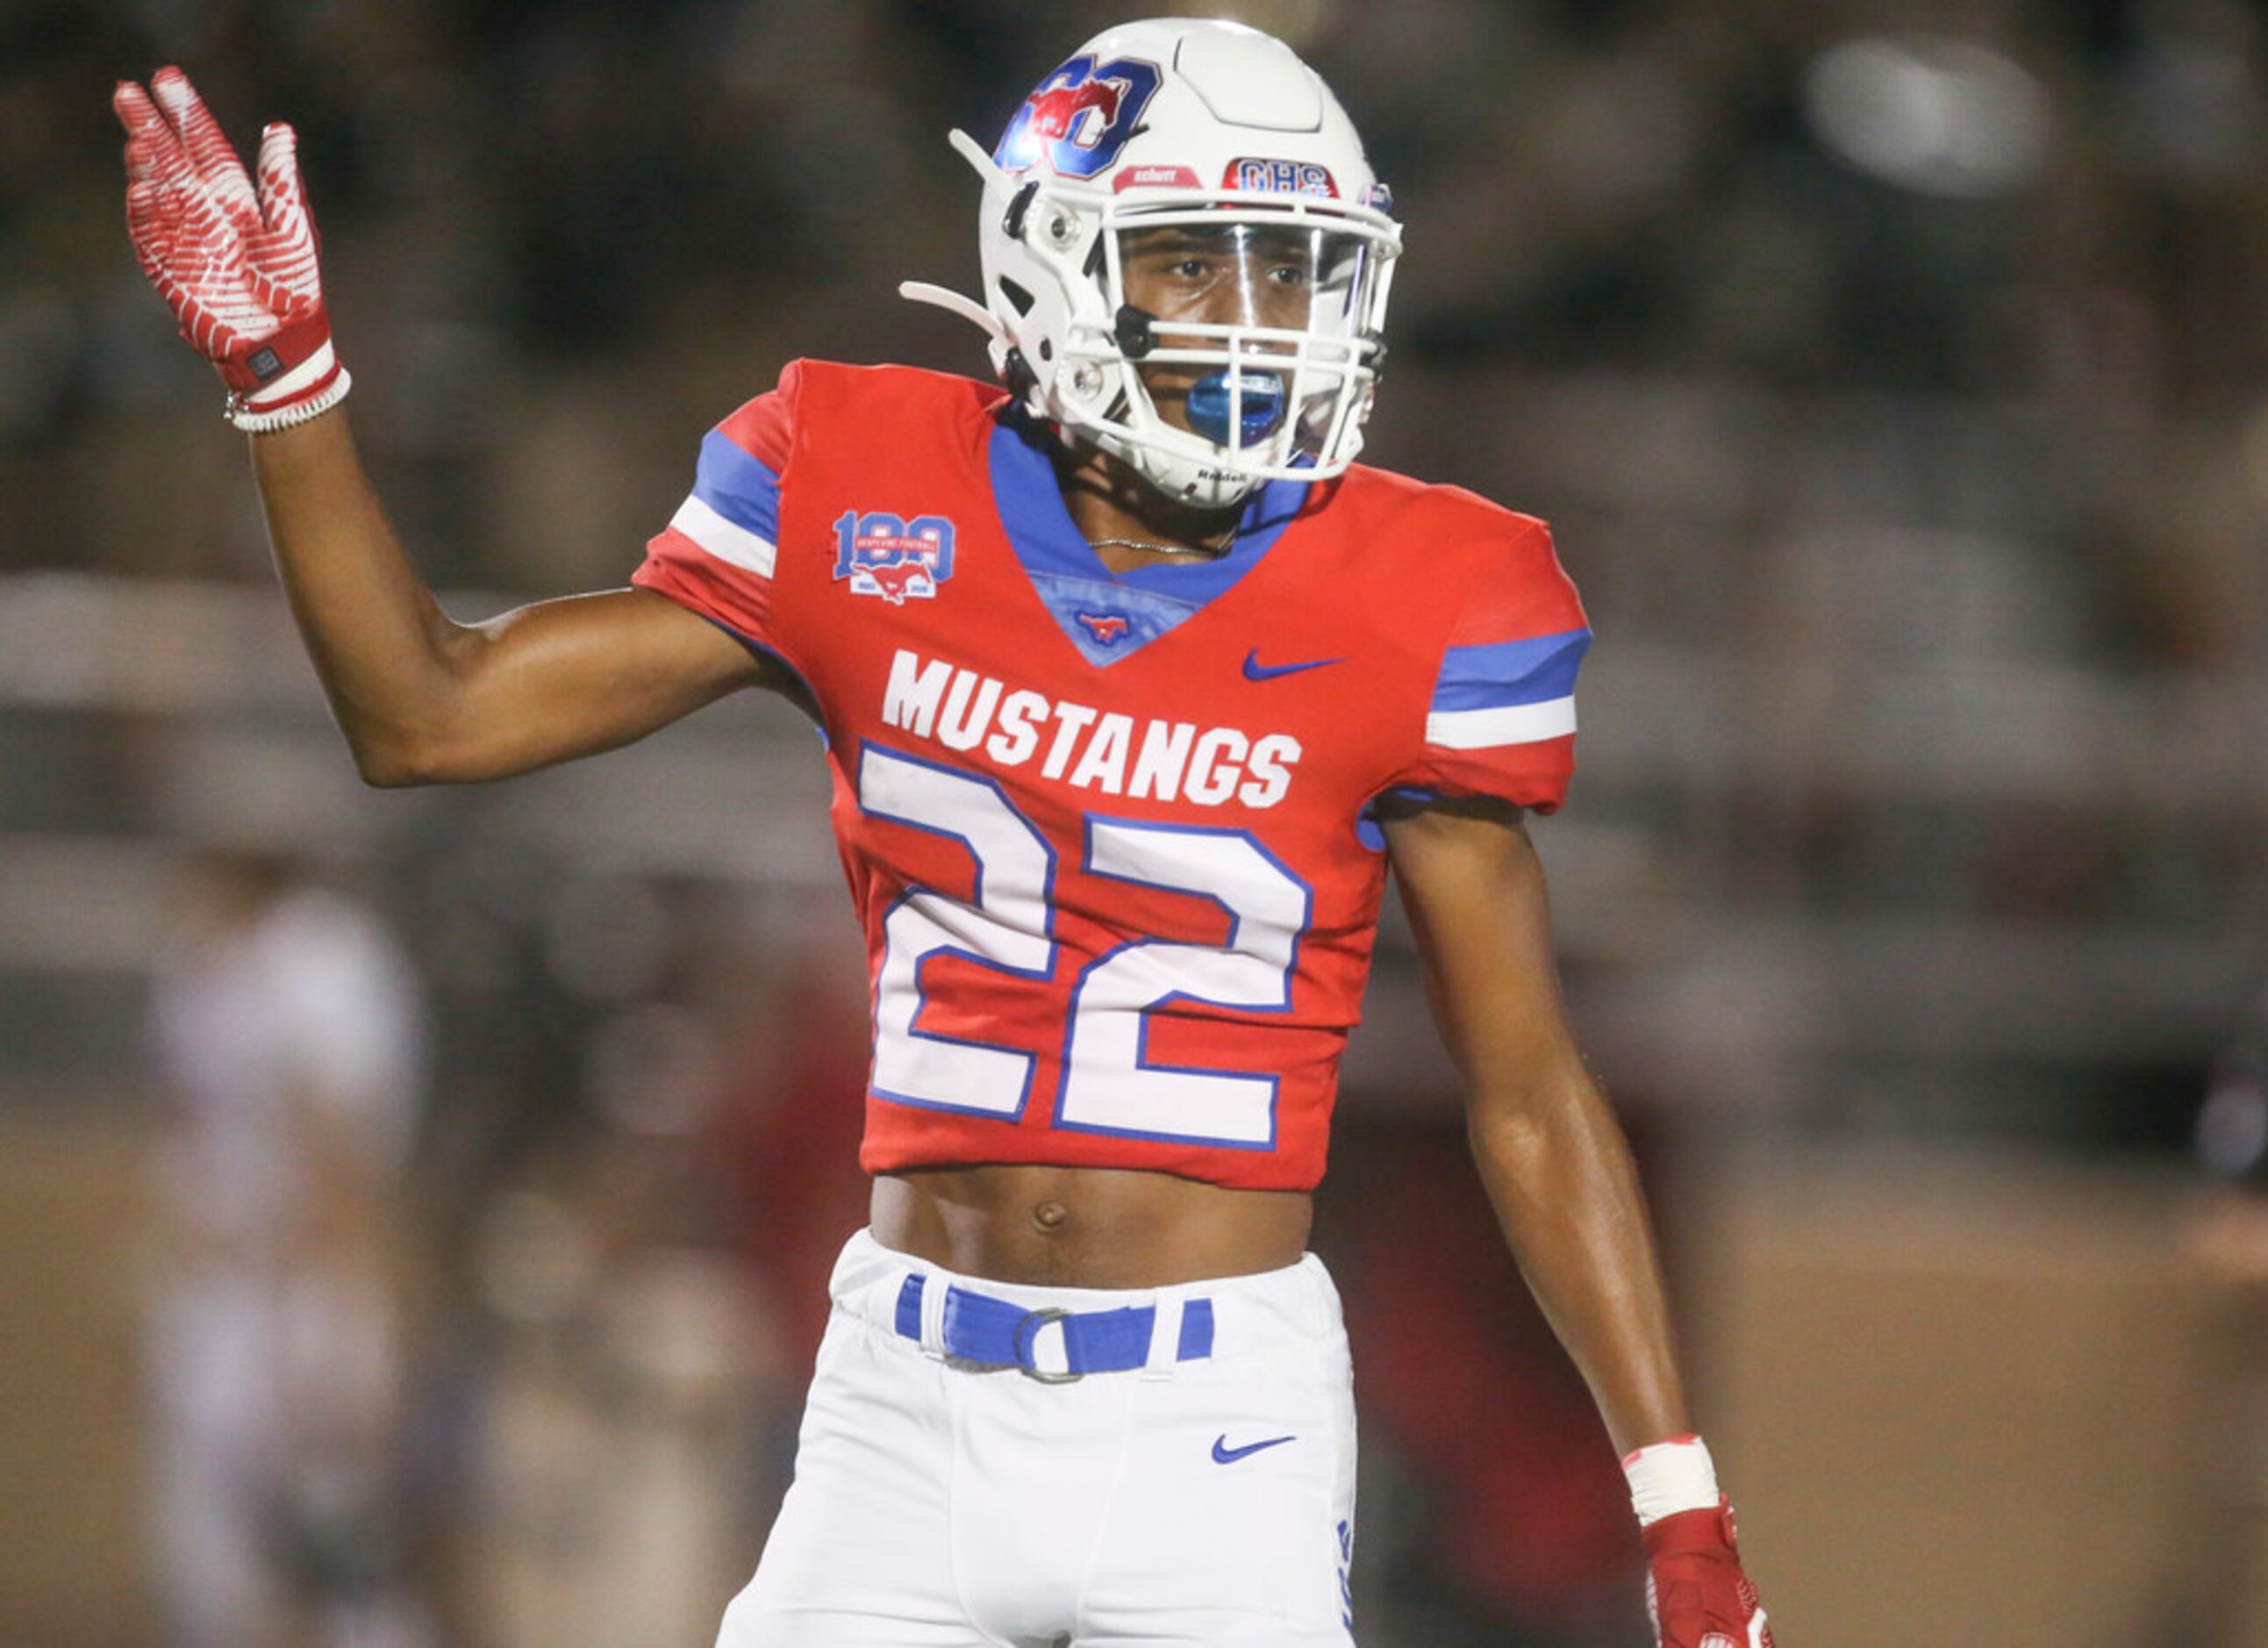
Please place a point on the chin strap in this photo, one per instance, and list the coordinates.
(939, 297)
(976, 153)
(967, 308)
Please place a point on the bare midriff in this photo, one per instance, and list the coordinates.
(1086, 1227)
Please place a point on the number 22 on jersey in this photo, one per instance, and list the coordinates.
(1008, 925)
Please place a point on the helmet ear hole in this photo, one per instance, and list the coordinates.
(1062, 230)
(1018, 296)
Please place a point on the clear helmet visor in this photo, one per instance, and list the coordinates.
(1259, 334)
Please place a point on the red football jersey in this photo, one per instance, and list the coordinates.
(1108, 834)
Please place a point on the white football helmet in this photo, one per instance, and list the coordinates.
(1206, 169)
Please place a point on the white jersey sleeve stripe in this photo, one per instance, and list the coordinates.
(726, 540)
(1509, 724)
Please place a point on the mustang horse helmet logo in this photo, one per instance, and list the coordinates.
(1056, 110)
(1079, 117)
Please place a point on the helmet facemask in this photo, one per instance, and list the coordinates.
(1241, 347)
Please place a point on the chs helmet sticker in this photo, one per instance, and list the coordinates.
(887, 555)
(1280, 177)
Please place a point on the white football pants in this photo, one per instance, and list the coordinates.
(1206, 1503)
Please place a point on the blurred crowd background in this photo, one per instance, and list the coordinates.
(415, 1207)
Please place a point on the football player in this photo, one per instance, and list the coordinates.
(1133, 688)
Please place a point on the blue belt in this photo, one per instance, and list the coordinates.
(996, 1332)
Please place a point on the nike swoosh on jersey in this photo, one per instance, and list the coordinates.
(1255, 670)
(1223, 1454)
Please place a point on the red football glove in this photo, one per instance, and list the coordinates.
(237, 265)
(1695, 1592)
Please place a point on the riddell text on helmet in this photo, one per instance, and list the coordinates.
(1083, 746)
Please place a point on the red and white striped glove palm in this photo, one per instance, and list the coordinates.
(236, 263)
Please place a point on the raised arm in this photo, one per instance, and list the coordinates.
(421, 698)
(424, 699)
(1558, 1172)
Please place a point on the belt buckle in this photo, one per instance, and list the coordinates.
(1028, 1331)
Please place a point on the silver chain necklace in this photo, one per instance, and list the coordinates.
(1165, 549)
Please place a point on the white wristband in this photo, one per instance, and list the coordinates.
(256, 423)
(312, 388)
(1670, 1477)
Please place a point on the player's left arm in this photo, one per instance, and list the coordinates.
(1550, 1151)
(1558, 1172)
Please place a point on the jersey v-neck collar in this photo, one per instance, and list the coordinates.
(1109, 616)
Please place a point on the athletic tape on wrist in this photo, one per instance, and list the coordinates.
(1670, 1477)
